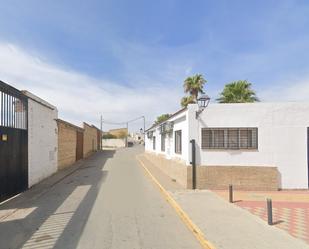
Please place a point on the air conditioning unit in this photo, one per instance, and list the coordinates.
(149, 134)
(167, 127)
(162, 128)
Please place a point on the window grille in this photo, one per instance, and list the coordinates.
(178, 142)
(229, 138)
(13, 107)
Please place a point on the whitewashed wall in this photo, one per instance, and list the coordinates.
(282, 138)
(180, 123)
(42, 139)
(114, 142)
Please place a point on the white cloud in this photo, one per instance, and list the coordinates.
(80, 97)
(294, 90)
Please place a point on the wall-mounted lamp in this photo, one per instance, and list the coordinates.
(202, 102)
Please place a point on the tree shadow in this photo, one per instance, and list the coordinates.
(54, 216)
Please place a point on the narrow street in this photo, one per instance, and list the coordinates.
(108, 202)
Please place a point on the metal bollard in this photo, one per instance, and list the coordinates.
(231, 193)
(269, 212)
(193, 163)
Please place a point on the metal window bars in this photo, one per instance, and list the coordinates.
(230, 138)
(13, 107)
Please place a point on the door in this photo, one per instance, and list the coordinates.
(13, 142)
(98, 140)
(79, 145)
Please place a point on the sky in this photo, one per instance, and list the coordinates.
(124, 59)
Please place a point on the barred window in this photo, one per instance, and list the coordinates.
(229, 138)
(218, 138)
(162, 142)
(233, 138)
(178, 142)
(154, 143)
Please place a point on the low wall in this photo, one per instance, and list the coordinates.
(219, 177)
(241, 177)
(114, 143)
(177, 170)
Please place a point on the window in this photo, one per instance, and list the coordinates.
(218, 136)
(232, 138)
(178, 142)
(154, 143)
(162, 142)
(229, 138)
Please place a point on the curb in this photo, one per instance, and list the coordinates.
(182, 214)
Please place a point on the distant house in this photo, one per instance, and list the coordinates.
(119, 133)
(255, 146)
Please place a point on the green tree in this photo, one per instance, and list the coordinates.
(238, 92)
(109, 136)
(187, 100)
(162, 118)
(194, 85)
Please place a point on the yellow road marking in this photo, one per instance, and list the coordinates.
(185, 218)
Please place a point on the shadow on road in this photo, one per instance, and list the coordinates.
(54, 218)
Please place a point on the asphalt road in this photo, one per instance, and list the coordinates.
(108, 203)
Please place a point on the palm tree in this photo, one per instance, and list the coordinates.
(194, 85)
(162, 118)
(238, 92)
(187, 100)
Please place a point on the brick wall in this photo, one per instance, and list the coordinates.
(219, 177)
(66, 143)
(241, 177)
(90, 139)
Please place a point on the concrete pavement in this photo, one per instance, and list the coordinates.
(225, 225)
(105, 201)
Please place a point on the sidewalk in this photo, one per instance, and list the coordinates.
(290, 208)
(12, 205)
(225, 225)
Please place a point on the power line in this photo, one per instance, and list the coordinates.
(121, 123)
(113, 123)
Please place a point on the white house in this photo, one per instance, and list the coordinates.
(258, 146)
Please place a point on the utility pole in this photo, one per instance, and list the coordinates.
(127, 134)
(144, 129)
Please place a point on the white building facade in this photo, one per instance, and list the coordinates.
(42, 139)
(252, 145)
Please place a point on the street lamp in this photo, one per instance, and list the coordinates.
(202, 102)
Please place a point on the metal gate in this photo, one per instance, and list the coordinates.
(13, 141)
